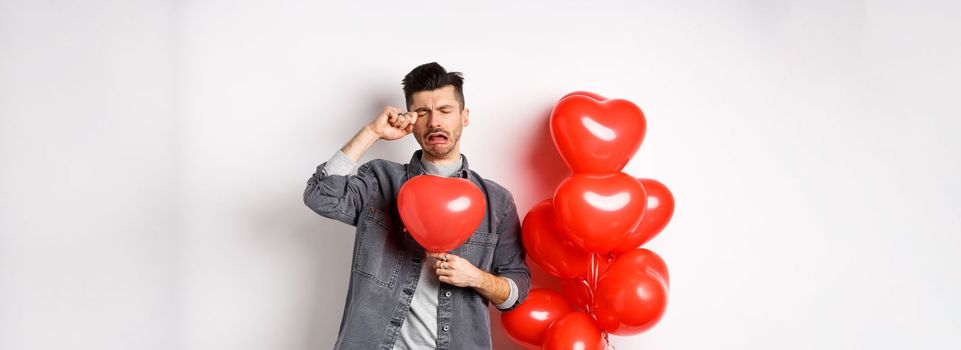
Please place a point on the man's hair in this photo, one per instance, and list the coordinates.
(431, 76)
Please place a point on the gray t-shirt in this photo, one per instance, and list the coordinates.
(420, 329)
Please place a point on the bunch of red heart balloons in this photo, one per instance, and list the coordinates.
(590, 232)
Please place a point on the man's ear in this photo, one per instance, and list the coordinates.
(465, 114)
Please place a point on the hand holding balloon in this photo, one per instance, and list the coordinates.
(457, 271)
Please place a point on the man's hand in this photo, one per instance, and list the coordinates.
(456, 270)
(459, 272)
(391, 124)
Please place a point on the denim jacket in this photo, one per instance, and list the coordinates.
(387, 261)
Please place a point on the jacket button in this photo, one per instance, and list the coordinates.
(395, 322)
(447, 294)
(408, 291)
(446, 328)
(416, 260)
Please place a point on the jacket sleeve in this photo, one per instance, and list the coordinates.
(509, 254)
(340, 197)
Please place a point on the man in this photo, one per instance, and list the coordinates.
(401, 297)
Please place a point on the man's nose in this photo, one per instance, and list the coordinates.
(433, 121)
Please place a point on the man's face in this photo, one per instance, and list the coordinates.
(440, 120)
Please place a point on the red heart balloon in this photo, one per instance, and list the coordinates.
(599, 211)
(660, 208)
(641, 259)
(585, 93)
(629, 299)
(595, 136)
(574, 331)
(440, 212)
(528, 323)
(547, 244)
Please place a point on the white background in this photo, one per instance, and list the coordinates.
(153, 156)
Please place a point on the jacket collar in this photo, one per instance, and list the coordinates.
(414, 167)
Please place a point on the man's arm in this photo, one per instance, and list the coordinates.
(391, 124)
(509, 258)
(331, 191)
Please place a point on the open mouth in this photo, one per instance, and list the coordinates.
(436, 138)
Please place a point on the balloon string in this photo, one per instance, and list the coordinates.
(596, 262)
(608, 341)
(588, 304)
(592, 280)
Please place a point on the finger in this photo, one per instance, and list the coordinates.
(401, 118)
(442, 272)
(413, 117)
(391, 113)
(398, 118)
(406, 121)
(446, 279)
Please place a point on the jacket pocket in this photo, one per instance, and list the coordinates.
(379, 250)
(480, 249)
